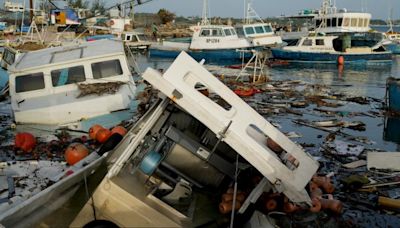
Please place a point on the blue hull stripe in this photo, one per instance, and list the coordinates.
(330, 57)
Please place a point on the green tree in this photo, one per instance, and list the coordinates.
(165, 16)
(81, 4)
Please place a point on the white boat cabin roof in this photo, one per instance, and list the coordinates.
(64, 54)
(343, 22)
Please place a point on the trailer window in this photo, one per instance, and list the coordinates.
(68, 76)
(106, 69)
(29, 82)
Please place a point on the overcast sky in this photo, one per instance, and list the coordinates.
(380, 9)
(267, 8)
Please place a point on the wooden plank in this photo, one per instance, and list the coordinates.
(384, 160)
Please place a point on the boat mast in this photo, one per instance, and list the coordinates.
(206, 13)
(31, 8)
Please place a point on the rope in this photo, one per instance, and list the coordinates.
(234, 191)
(89, 197)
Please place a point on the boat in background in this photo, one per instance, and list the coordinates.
(218, 43)
(330, 20)
(71, 86)
(332, 49)
(136, 40)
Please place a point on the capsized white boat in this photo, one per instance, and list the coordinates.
(189, 149)
(70, 85)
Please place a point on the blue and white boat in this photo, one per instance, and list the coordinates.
(328, 49)
(212, 42)
(217, 43)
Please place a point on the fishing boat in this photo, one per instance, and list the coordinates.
(217, 43)
(135, 40)
(172, 170)
(333, 21)
(210, 42)
(331, 49)
(71, 86)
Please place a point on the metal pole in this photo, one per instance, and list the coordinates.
(31, 8)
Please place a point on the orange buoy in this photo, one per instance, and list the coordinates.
(271, 204)
(25, 141)
(226, 207)
(332, 204)
(93, 130)
(316, 205)
(325, 183)
(75, 152)
(340, 60)
(119, 130)
(102, 135)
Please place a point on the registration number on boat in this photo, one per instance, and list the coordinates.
(212, 41)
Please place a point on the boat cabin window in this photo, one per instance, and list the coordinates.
(233, 32)
(205, 32)
(307, 42)
(360, 22)
(216, 32)
(240, 31)
(319, 42)
(267, 28)
(346, 22)
(318, 22)
(134, 38)
(259, 29)
(68, 76)
(249, 30)
(106, 69)
(141, 37)
(128, 37)
(29, 82)
(353, 22)
(366, 22)
(8, 56)
(328, 22)
(340, 22)
(227, 32)
(334, 20)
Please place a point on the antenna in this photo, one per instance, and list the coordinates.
(250, 13)
(204, 20)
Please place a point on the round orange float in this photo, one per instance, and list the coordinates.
(102, 135)
(120, 130)
(75, 152)
(93, 130)
(25, 141)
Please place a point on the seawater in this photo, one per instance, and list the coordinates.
(353, 81)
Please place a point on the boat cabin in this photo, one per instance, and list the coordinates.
(45, 84)
(340, 22)
(209, 37)
(135, 40)
(259, 34)
(330, 44)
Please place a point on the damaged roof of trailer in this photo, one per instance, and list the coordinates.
(57, 55)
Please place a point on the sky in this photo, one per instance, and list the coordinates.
(380, 9)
